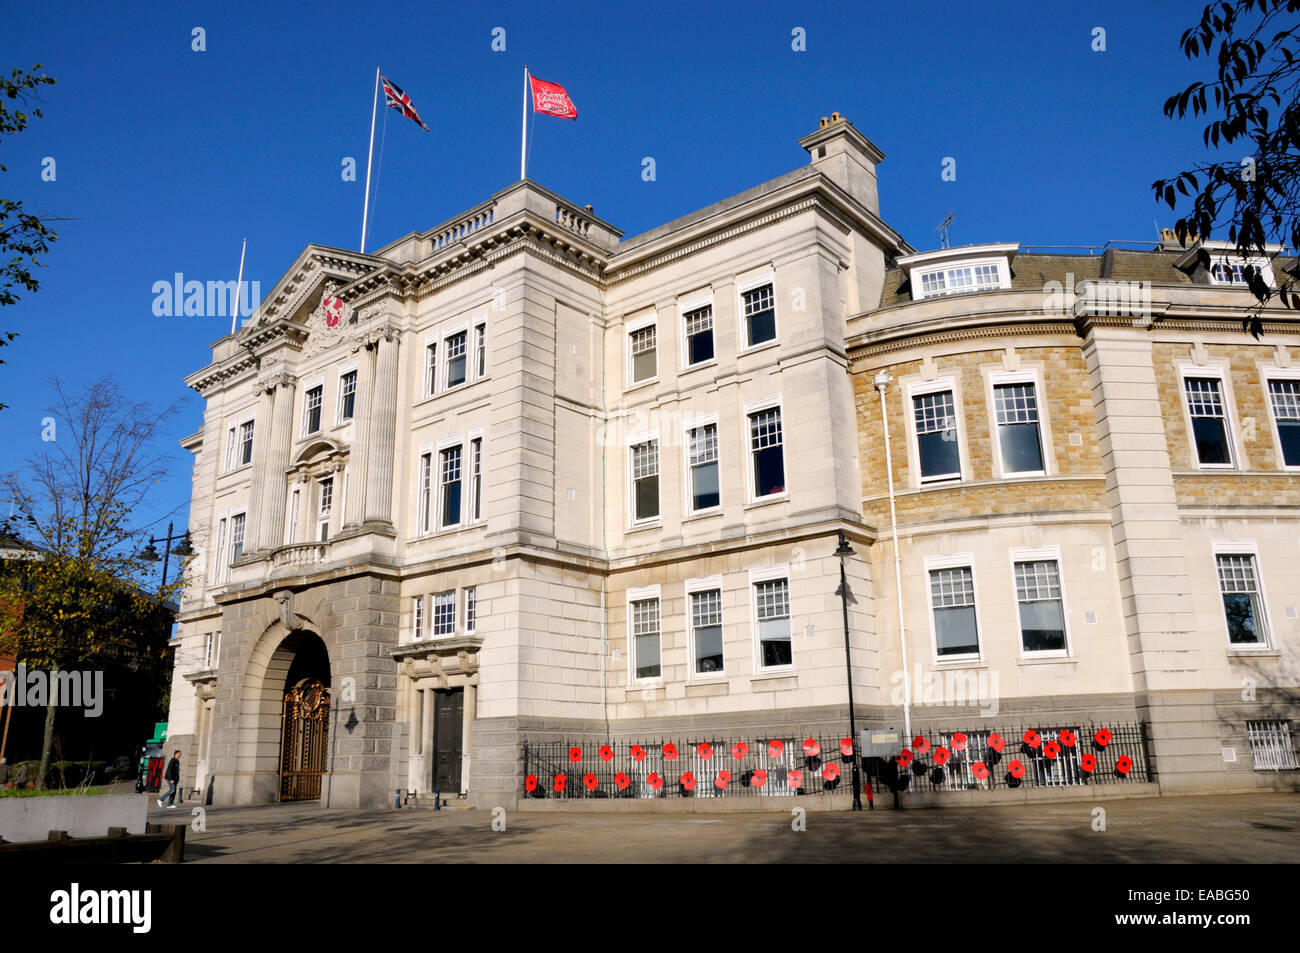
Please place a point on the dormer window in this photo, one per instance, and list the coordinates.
(959, 280)
(1227, 268)
(954, 271)
(1225, 272)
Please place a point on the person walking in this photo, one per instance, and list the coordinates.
(173, 778)
(20, 778)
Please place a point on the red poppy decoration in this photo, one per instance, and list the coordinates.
(1051, 749)
(722, 780)
(705, 750)
(758, 778)
(1102, 737)
(740, 750)
(1068, 738)
(559, 782)
(606, 753)
(590, 782)
(621, 781)
(846, 747)
(638, 753)
(1032, 739)
(981, 770)
(996, 742)
(654, 781)
(1016, 769)
(905, 758)
(688, 781)
(1124, 765)
(775, 749)
(794, 779)
(1088, 762)
(941, 756)
(920, 746)
(959, 742)
(670, 752)
(831, 772)
(575, 754)
(811, 748)
(530, 783)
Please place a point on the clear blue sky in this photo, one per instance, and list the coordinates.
(169, 157)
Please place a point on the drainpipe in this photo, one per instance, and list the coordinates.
(882, 382)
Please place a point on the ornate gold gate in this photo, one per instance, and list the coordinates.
(306, 729)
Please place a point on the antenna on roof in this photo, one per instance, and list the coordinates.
(942, 228)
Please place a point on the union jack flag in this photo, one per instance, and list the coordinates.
(393, 96)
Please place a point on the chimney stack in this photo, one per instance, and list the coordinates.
(846, 157)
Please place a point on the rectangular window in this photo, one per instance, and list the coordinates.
(291, 531)
(1209, 422)
(450, 480)
(426, 491)
(767, 450)
(347, 395)
(471, 608)
(456, 359)
(1241, 602)
(431, 370)
(1016, 406)
(772, 610)
(760, 315)
(1228, 273)
(476, 479)
(246, 443)
(645, 481)
(311, 409)
(219, 556)
(480, 351)
(209, 643)
(236, 536)
(231, 442)
(325, 508)
(1042, 614)
(444, 613)
(643, 347)
(703, 447)
(1271, 748)
(952, 599)
(706, 629)
(699, 335)
(645, 634)
(936, 436)
(960, 280)
(1284, 395)
(417, 617)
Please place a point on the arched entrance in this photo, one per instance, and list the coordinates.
(305, 739)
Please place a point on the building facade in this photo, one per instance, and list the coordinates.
(519, 479)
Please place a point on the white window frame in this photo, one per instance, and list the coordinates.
(234, 452)
(1263, 265)
(306, 391)
(633, 442)
(444, 445)
(643, 594)
(293, 509)
(418, 619)
(444, 349)
(470, 609)
(685, 305)
(1042, 554)
(232, 438)
(340, 420)
(221, 565)
(956, 561)
(429, 368)
(917, 276)
(695, 423)
(322, 518)
(1217, 371)
(748, 410)
(1242, 547)
(479, 370)
(631, 328)
(747, 283)
(756, 645)
(997, 378)
(425, 506)
(243, 541)
(1270, 373)
(475, 442)
(920, 388)
(708, 584)
(433, 613)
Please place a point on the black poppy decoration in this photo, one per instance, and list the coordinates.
(590, 782)
(1088, 762)
(936, 776)
(904, 781)
(1124, 765)
(530, 783)
(794, 779)
(775, 748)
(575, 754)
(1051, 749)
(722, 780)
(831, 772)
(993, 758)
(1012, 780)
(919, 768)
(758, 778)
(980, 770)
(997, 742)
(813, 764)
(606, 753)
(638, 753)
(560, 781)
(621, 781)
(920, 746)
(1102, 738)
(889, 772)
(654, 781)
(1068, 738)
(959, 741)
(1016, 768)
(688, 781)
(670, 752)
(941, 756)
(739, 750)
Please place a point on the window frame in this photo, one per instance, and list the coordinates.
(324, 517)
(1229, 260)
(1268, 374)
(418, 618)
(688, 425)
(435, 604)
(685, 306)
(921, 388)
(477, 478)
(1040, 554)
(692, 588)
(429, 383)
(629, 364)
(993, 379)
(750, 409)
(479, 370)
(633, 442)
(757, 576)
(445, 338)
(916, 277)
(643, 594)
(1243, 547)
(1222, 374)
(242, 517)
(344, 372)
(220, 564)
(956, 561)
(425, 498)
(469, 609)
(440, 524)
(744, 285)
(318, 384)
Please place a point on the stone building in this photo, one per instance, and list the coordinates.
(521, 479)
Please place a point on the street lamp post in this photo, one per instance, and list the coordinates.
(150, 555)
(844, 550)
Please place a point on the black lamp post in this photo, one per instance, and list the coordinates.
(844, 550)
(150, 555)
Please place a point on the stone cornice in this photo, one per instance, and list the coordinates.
(897, 338)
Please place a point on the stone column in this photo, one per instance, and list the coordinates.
(270, 534)
(261, 437)
(383, 430)
(467, 732)
(355, 512)
(426, 732)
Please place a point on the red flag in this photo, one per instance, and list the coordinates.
(551, 99)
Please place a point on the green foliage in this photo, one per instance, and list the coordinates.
(1256, 47)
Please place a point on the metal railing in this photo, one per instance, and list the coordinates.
(1271, 748)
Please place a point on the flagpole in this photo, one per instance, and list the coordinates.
(239, 284)
(523, 132)
(365, 211)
